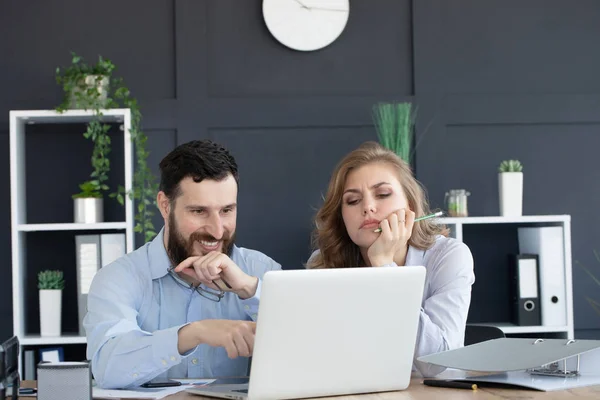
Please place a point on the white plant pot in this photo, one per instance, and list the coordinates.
(88, 210)
(96, 82)
(50, 312)
(510, 187)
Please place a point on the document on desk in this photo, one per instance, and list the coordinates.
(147, 393)
(536, 382)
(540, 364)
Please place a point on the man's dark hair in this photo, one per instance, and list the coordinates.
(198, 159)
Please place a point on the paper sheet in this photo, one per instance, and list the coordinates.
(192, 381)
(147, 393)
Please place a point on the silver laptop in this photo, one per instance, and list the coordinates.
(331, 332)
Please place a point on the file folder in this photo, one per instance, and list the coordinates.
(88, 260)
(525, 291)
(540, 364)
(94, 252)
(548, 243)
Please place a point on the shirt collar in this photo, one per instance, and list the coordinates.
(415, 257)
(157, 256)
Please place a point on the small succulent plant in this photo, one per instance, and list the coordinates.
(51, 280)
(510, 166)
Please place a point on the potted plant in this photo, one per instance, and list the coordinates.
(50, 284)
(510, 187)
(88, 204)
(86, 86)
(394, 124)
(144, 186)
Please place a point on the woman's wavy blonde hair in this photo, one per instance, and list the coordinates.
(330, 235)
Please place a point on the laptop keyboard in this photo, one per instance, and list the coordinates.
(240, 390)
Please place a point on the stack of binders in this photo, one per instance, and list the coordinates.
(541, 265)
(93, 253)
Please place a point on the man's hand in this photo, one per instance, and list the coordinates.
(237, 337)
(216, 266)
(396, 230)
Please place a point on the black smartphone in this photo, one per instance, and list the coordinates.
(161, 382)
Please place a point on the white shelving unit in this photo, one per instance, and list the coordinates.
(457, 225)
(70, 227)
(511, 329)
(30, 340)
(19, 120)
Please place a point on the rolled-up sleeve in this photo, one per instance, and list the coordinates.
(251, 304)
(121, 353)
(444, 313)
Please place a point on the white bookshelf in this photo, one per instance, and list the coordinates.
(457, 226)
(32, 340)
(511, 329)
(71, 227)
(20, 227)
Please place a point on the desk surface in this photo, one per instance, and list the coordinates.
(417, 391)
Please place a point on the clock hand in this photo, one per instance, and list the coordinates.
(327, 9)
(301, 4)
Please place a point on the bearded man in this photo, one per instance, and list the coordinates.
(185, 304)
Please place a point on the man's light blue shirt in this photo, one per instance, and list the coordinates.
(135, 310)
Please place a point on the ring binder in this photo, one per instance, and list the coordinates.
(525, 291)
(552, 369)
(540, 364)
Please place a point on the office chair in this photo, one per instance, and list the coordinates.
(9, 368)
(481, 333)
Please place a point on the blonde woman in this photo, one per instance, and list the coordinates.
(373, 188)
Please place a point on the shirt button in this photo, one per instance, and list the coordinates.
(135, 375)
(173, 358)
(194, 361)
(246, 307)
(164, 361)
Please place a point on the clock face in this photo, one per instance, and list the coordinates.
(306, 25)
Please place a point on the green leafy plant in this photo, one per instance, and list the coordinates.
(144, 187)
(86, 86)
(510, 166)
(51, 280)
(98, 133)
(394, 124)
(114, 94)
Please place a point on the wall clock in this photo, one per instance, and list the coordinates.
(306, 25)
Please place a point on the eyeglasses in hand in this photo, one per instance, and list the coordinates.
(207, 293)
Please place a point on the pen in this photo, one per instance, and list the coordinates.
(449, 384)
(436, 214)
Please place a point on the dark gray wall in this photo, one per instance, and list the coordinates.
(492, 80)
(514, 79)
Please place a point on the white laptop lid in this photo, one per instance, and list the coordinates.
(335, 331)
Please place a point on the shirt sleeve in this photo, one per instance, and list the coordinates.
(122, 354)
(444, 313)
(251, 304)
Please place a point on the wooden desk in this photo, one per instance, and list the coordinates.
(418, 391)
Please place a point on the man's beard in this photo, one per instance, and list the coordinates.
(179, 249)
